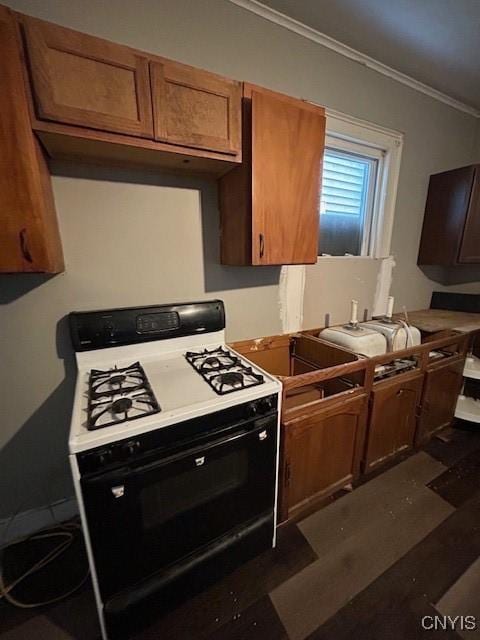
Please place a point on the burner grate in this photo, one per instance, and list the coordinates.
(118, 395)
(223, 371)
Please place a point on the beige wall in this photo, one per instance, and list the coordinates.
(135, 238)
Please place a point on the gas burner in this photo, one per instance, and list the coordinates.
(115, 381)
(213, 360)
(118, 395)
(122, 405)
(230, 379)
(223, 371)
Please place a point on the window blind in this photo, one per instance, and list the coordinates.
(344, 184)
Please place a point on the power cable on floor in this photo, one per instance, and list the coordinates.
(67, 536)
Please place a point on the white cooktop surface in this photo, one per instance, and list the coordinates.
(181, 392)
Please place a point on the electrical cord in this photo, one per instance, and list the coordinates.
(67, 534)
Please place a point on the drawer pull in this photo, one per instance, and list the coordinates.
(199, 461)
(24, 247)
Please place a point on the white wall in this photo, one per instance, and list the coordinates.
(136, 238)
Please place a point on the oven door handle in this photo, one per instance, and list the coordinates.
(118, 476)
(260, 432)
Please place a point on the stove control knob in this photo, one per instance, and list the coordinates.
(103, 457)
(266, 405)
(108, 331)
(131, 447)
(251, 410)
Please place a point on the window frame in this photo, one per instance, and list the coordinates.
(353, 135)
(375, 158)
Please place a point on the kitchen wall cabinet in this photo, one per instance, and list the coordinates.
(29, 236)
(321, 453)
(269, 205)
(195, 108)
(451, 226)
(443, 382)
(85, 81)
(392, 418)
(97, 100)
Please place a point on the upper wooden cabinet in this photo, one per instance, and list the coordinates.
(85, 81)
(269, 205)
(451, 227)
(195, 108)
(95, 100)
(29, 237)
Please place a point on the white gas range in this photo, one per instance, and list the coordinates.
(173, 448)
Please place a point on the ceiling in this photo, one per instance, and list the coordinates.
(434, 41)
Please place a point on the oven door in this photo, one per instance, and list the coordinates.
(146, 517)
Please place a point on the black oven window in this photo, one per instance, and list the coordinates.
(189, 489)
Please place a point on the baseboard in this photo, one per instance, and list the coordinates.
(28, 522)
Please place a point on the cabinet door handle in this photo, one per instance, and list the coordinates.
(262, 245)
(287, 475)
(24, 247)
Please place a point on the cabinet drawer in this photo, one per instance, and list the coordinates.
(195, 108)
(85, 81)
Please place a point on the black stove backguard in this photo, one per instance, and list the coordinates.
(131, 325)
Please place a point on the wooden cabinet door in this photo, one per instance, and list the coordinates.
(321, 453)
(82, 80)
(29, 236)
(287, 138)
(392, 419)
(195, 108)
(442, 386)
(470, 243)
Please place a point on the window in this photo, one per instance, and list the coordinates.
(346, 204)
(359, 182)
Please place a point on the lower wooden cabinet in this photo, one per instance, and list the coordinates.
(392, 418)
(443, 383)
(321, 452)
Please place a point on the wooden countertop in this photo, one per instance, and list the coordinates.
(432, 320)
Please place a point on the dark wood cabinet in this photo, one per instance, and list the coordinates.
(195, 108)
(86, 81)
(29, 236)
(443, 383)
(321, 452)
(392, 418)
(451, 226)
(269, 205)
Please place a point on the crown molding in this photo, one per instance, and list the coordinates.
(304, 30)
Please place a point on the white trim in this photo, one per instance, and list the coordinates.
(387, 145)
(304, 30)
(382, 290)
(88, 545)
(290, 296)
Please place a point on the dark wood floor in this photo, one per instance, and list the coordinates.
(369, 566)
